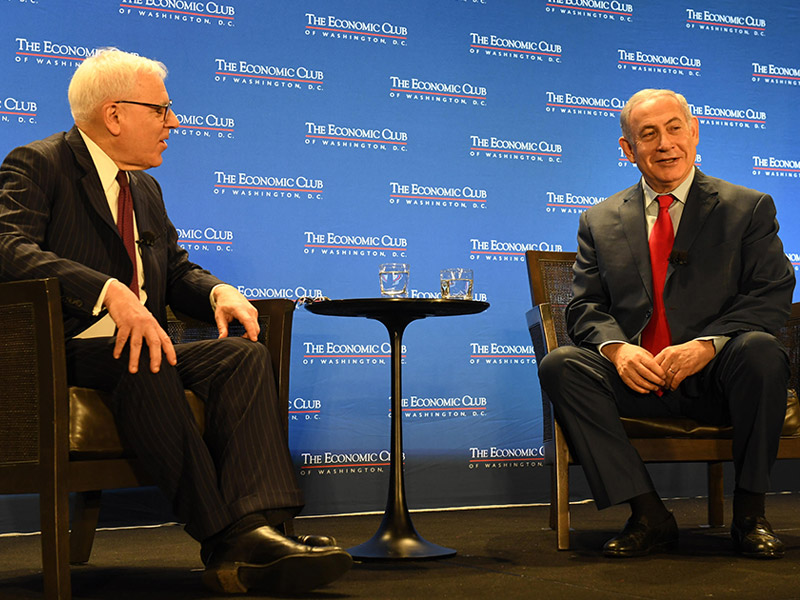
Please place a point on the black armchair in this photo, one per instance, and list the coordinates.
(56, 439)
(656, 440)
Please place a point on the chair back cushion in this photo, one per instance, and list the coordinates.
(550, 280)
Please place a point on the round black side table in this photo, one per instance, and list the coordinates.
(396, 537)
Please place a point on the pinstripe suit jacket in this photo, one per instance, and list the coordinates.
(55, 222)
(735, 275)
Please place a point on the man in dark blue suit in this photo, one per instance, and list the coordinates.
(62, 215)
(696, 341)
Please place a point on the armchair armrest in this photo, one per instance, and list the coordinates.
(33, 380)
(543, 335)
(274, 318)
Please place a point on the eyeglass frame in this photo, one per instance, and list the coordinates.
(165, 107)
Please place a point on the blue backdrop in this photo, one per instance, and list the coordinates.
(321, 138)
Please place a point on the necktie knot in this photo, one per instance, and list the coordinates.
(664, 201)
(122, 179)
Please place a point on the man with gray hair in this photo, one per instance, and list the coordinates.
(680, 284)
(75, 206)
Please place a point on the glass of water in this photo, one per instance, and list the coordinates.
(394, 280)
(456, 283)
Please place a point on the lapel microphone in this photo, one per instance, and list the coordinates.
(679, 257)
(147, 239)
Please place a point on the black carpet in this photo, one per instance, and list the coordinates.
(502, 553)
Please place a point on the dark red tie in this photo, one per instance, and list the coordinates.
(656, 336)
(125, 225)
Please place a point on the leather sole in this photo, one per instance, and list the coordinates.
(766, 555)
(294, 574)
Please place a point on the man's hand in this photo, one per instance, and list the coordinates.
(637, 367)
(135, 324)
(233, 305)
(642, 372)
(683, 360)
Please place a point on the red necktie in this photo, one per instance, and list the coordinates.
(125, 225)
(656, 336)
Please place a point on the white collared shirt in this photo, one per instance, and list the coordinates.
(107, 171)
(675, 210)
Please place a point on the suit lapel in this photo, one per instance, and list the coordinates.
(90, 181)
(631, 213)
(143, 222)
(139, 204)
(700, 202)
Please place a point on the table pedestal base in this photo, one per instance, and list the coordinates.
(390, 544)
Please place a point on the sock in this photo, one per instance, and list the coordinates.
(243, 525)
(747, 504)
(276, 517)
(648, 508)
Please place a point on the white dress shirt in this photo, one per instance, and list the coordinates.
(107, 170)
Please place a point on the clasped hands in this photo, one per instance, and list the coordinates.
(644, 373)
(137, 326)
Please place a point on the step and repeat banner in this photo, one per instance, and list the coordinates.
(321, 138)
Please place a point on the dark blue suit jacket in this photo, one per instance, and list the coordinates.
(55, 222)
(732, 274)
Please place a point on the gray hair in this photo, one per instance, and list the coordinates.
(643, 96)
(110, 74)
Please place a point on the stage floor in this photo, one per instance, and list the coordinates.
(502, 554)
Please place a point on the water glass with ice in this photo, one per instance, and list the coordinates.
(456, 283)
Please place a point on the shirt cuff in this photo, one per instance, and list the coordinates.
(211, 295)
(718, 340)
(604, 344)
(98, 306)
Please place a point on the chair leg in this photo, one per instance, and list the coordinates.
(562, 489)
(84, 525)
(553, 498)
(716, 516)
(54, 521)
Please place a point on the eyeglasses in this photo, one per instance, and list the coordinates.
(160, 108)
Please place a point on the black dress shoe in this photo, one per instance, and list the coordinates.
(264, 560)
(753, 537)
(639, 538)
(314, 540)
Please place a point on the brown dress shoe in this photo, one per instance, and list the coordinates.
(639, 538)
(264, 560)
(753, 537)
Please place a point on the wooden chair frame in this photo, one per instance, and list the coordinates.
(712, 445)
(35, 423)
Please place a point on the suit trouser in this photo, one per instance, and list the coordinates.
(240, 465)
(744, 386)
